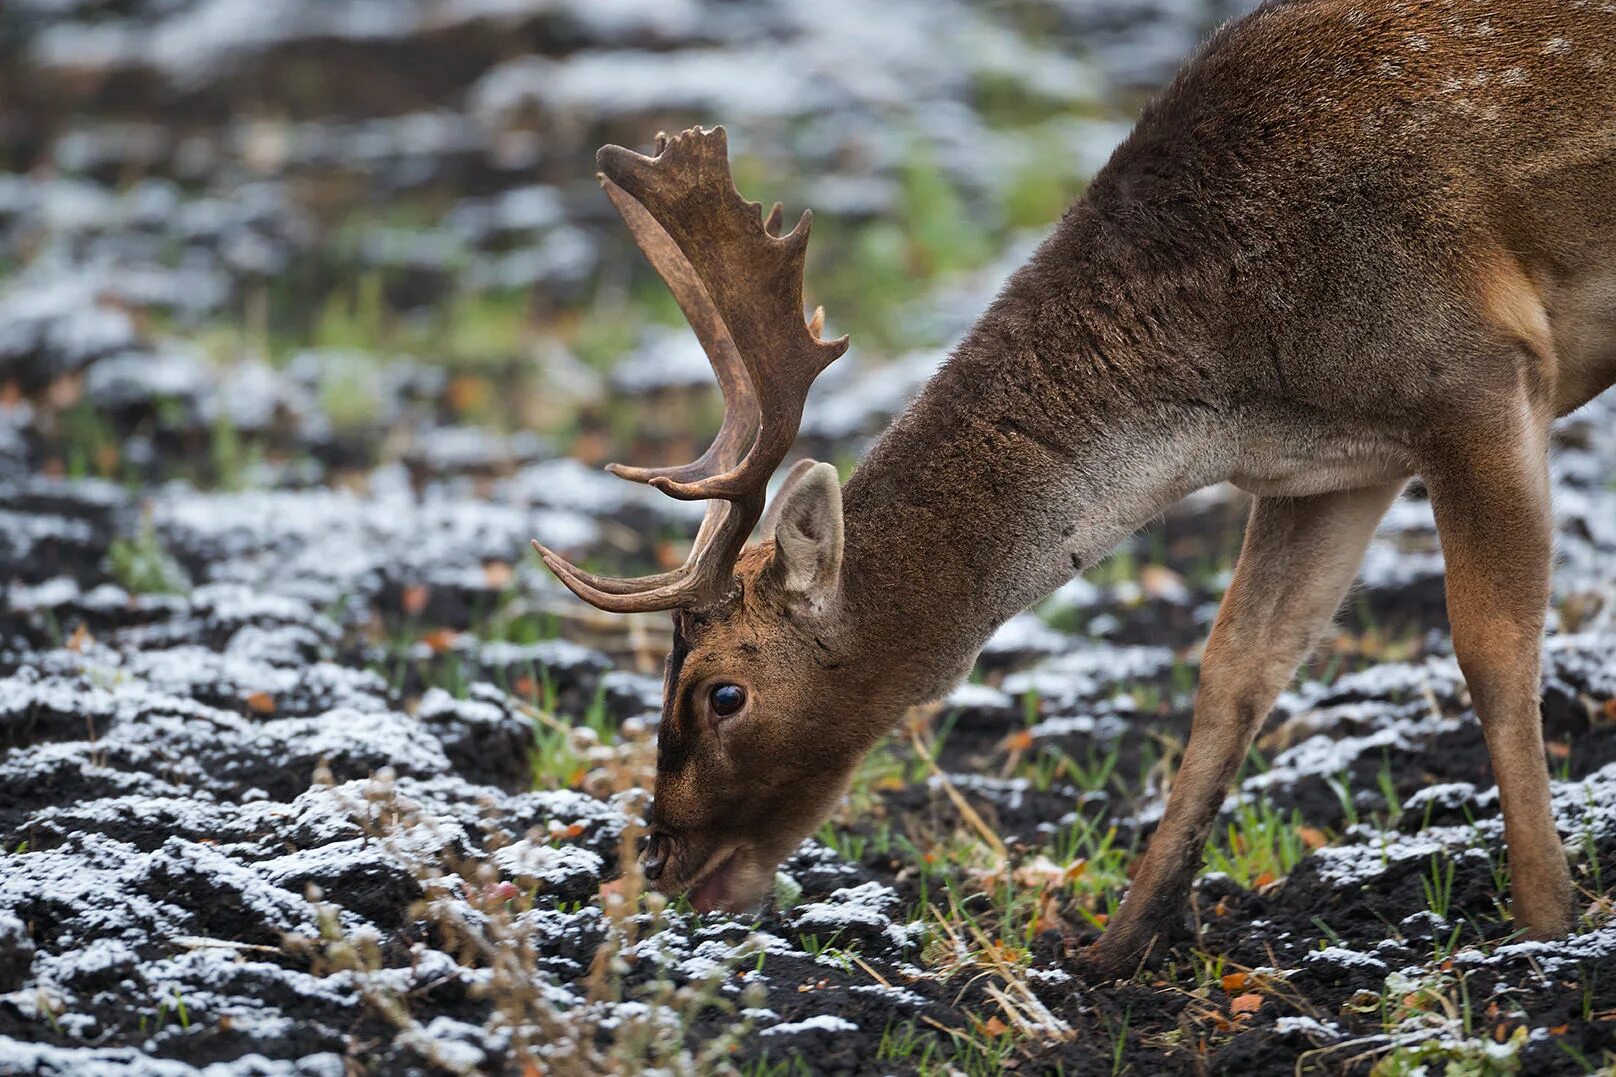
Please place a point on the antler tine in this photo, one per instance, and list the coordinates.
(739, 283)
(753, 280)
(699, 580)
(711, 521)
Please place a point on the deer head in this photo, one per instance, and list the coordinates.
(757, 652)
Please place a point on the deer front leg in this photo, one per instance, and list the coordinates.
(1299, 556)
(1491, 500)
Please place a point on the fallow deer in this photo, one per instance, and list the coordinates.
(1353, 242)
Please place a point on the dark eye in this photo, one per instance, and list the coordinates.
(726, 699)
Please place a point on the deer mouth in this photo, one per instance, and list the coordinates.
(712, 888)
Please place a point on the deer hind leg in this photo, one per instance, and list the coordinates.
(1491, 499)
(1299, 556)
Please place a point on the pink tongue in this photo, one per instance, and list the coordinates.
(711, 893)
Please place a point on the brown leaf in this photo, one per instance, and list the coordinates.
(1234, 983)
(261, 703)
(415, 598)
(468, 393)
(440, 639)
(1312, 837)
(1247, 1003)
(81, 640)
(1265, 879)
(1159, 581)
(995, 1027)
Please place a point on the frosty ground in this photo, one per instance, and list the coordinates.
(309, 323)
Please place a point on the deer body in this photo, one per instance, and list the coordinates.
(1353, 243)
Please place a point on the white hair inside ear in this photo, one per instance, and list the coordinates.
(807, 520)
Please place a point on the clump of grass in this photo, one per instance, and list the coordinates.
(484, 922)
(142, 566)
(591, 753)
(1262, 844)
(88, 441)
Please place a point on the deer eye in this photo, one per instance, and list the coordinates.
(726, 699)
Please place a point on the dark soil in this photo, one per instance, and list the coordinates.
(307, 768)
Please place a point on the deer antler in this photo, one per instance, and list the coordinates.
(739, 284)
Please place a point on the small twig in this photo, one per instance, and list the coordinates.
(968, 813)
(880, 979)
(201, 942)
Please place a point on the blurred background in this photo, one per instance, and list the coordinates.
(323, 298)
(280, 245)
(312, 314)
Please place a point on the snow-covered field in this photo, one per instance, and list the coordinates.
(306, 767)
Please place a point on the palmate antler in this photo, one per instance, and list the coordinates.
(739, 284)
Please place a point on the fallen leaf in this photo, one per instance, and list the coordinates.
(1042, 871)
(63, 393)
(1312, 837)
(414, 598)
(1159, 581)
(261, 703)
(468, 393)
(1234, 983)
(1019, 741)
(1559, 1030)
(1265, 879)
(441, 639)
(669, 555)
(995, 1027)
(81, 640)
(1247, 1003)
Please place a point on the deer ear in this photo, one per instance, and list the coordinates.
(808, 535)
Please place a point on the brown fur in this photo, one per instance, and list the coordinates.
(1356, 240)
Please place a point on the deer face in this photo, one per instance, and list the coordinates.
(754, 747)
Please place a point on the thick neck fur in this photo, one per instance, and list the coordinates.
(1057, 428)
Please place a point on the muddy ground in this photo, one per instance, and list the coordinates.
(311, 316)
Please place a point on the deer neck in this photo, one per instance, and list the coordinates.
(1031, 454)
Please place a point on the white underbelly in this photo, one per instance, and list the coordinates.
(1305, 463)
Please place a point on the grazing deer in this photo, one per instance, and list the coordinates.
(1355, 241)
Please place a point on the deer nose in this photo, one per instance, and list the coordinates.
(655, 857)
